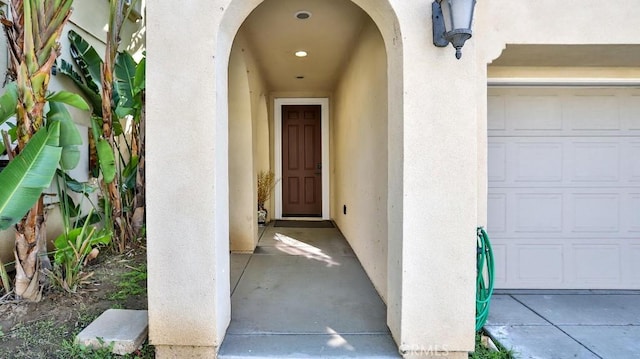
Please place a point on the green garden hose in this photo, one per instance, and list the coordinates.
(484, 281)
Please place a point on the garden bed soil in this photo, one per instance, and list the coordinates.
(46, 329)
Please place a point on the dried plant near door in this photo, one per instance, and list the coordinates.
(266, 183)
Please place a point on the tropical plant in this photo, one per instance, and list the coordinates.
(72, 252)
(43, 142)
(115, 88)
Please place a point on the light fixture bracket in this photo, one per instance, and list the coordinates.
(438, 25)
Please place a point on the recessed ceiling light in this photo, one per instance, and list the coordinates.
(301, 53)
(303, 15)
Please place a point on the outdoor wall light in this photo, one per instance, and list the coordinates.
(452, 23)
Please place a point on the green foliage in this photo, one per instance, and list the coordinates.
(92, 96)
(88, 60)
(72, 350)
(117, 153)
(131, 283)
(69, 98)
(72, 251)
(482, 352)
(8, 102)
(31, 172)
(70, 137)
(107, 160)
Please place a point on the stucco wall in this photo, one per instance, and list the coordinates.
(248, 143)
(242, 213)
(359, 137)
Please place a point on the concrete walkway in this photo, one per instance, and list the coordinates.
(567, 324)
(303, 294)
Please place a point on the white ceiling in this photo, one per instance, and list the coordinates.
(275, 34)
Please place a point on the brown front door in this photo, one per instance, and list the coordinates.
(301, 161)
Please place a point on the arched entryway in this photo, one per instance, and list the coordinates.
(335, 96)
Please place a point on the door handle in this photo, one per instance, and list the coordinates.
(319, 168)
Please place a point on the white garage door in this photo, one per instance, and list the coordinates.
(564, 187)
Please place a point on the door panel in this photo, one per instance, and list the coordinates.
(301, 161)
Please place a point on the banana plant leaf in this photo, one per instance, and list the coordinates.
(30, 173)
(107, 160)
(74, 185)
(139, 81)
(129, 174)
(70, 137)
(88, 60)
(92, 96)
(8, 102)
(69, 98)
(124, 79)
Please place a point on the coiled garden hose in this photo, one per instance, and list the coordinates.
(484, 281)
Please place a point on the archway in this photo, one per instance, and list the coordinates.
(360, 150)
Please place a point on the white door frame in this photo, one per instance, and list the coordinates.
(324, 124)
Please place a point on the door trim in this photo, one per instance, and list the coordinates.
(324, 124)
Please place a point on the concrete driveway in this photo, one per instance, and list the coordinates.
(567, 324)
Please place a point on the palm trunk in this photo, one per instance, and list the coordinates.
(121, 227)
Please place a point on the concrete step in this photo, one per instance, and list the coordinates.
(124, 328)
(298, 346)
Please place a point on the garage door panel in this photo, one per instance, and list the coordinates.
(591, 161)
(632, 264)
(539, 264)
(595, 212)
(564, 196)
(498, 168)
(496, 115)
(596, 264)
(572, 213)
(630, 112)
(632, 207)
(537, 161)
(535, 113)
(592, 113)
(538, 212)
(501, 260)
(498, 213)
(632, 163)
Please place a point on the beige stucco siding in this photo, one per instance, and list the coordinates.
(502, 22)
(248, 143)
(187, 198)
(360, 146)
(242, 221)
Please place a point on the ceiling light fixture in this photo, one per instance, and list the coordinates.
(302, 15)
(301, 53)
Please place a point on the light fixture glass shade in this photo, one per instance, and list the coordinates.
(458, 14)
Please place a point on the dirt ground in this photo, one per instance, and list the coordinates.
(46, 329)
